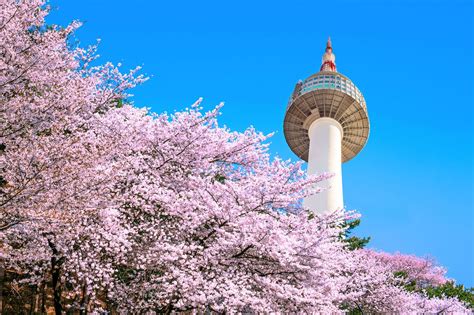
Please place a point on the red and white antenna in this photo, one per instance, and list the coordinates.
(329, 59)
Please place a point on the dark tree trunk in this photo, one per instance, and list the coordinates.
(56, 264)
(2, 280)
(43, 298)
(84, 301)
(33, 299)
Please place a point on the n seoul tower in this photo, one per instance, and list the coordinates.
(326, 124)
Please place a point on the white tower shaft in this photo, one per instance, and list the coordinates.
(325, 136)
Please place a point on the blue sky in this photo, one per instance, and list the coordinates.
(412, 60)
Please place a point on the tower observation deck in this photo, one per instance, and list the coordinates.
(326, 123)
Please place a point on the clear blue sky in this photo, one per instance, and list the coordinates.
(412, 60)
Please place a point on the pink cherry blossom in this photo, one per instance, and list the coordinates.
(116, 208)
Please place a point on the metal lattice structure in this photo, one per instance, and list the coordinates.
(327, 94)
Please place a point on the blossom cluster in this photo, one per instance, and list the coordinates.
(117, 208)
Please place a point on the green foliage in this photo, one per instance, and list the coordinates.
(354, 311)
(450, 289)
(353, 242)
(119, 103)
(220, 178)
(408, 285)
(401, 274)
(125, 274)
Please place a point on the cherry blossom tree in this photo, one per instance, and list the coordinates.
(375, 286)
(218, 225)
(114, 208)
(50, 101)
(420, 272)
(53, 178)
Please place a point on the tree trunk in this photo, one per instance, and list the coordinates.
(37, 300)
(56, 264)
(43, 298)
(33, 299)
(2, 280)
(85, 300)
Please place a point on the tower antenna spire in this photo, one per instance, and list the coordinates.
(329, 59)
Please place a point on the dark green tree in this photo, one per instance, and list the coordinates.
(353, 242)
(450, 289)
